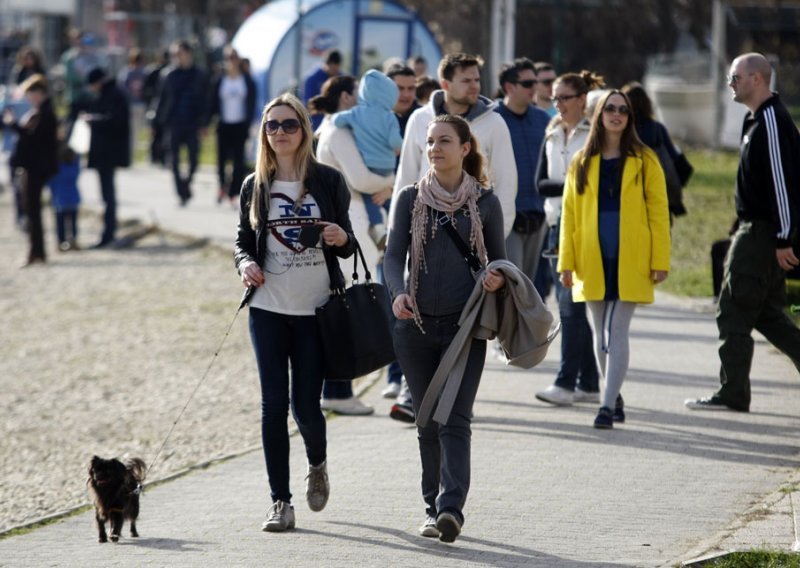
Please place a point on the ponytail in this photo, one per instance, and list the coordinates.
(332, 89)
(473, 162)
(582, 82)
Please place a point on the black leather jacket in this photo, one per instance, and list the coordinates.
(326, 185)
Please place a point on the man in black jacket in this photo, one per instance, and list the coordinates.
(753, 291)
(108, 115)
(182, 111)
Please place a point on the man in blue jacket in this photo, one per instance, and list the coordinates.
(527, 124)
(753, 291)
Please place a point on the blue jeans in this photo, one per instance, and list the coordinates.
(66, 225)
(578, 366)
(277, 340)
(444, 449)
(374, 211)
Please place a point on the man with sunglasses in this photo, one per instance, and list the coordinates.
(753, 291)
(545, 77)
(526, 124)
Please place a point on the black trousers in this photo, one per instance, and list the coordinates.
(32, 184)
(753, 296)
(231, 138)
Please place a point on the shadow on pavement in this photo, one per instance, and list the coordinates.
(669, 438)
(175, 544)
(508, 556)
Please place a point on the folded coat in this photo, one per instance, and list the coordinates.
(517, 317)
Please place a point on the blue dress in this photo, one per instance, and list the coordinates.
(608, 207)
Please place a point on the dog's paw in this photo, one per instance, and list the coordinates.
(114, 538)
(103, 538)
(134, 534)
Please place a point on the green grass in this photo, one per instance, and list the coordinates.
(757, 559)
(709, 201)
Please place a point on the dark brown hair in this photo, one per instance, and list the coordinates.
(629, 143)
(641, 104)
(473, 162)
(453, 61)
(582, 82)
(425, 86)
(332, 89)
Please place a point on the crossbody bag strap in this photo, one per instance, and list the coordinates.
(469, 255)
(446, 221)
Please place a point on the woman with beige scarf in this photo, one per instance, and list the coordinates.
(429, 303)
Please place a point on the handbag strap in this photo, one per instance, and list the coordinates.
(337, 282)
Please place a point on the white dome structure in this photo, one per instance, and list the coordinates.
(365, 32)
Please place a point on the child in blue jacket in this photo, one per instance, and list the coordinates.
(66, 198)
(377, 135)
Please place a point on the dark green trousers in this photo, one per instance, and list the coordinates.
(753, 296)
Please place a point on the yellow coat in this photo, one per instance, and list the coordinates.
(644, 239)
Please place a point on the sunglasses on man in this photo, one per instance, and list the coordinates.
(527, 83)
(289, 126)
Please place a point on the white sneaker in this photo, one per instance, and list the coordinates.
(428, 528)
(391, 390)
(280, 517)
(556, 395)
(584, 396)
(347, 406)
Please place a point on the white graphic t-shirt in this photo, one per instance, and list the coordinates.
(296, 278)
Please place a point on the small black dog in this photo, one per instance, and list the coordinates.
(114, 486)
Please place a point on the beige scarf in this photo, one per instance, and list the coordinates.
(433, 198)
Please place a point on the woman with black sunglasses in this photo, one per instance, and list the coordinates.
(288, 193)
(615, 242)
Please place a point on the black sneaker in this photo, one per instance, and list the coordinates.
(619, 410)
(449, 527)
(403, 413)
(604, 419)
(713, 402)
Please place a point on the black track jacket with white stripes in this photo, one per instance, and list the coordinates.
(768, 180)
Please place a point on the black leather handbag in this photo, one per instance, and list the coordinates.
(355, 324)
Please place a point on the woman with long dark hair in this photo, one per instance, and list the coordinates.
(577, 378)
(429, 303)
(290, 191)
(615, 243)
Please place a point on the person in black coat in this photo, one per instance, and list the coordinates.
(35, 157)
(108, 115)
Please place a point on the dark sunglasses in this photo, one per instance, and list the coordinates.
(290, 126)
(527, 83)
(563, 98)
(733, 79)
(621, 109)
(547, 81)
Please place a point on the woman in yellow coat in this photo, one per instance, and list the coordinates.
(615, 241)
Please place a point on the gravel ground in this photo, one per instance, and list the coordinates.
(100, 351)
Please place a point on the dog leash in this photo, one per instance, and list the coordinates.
(245, 298)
